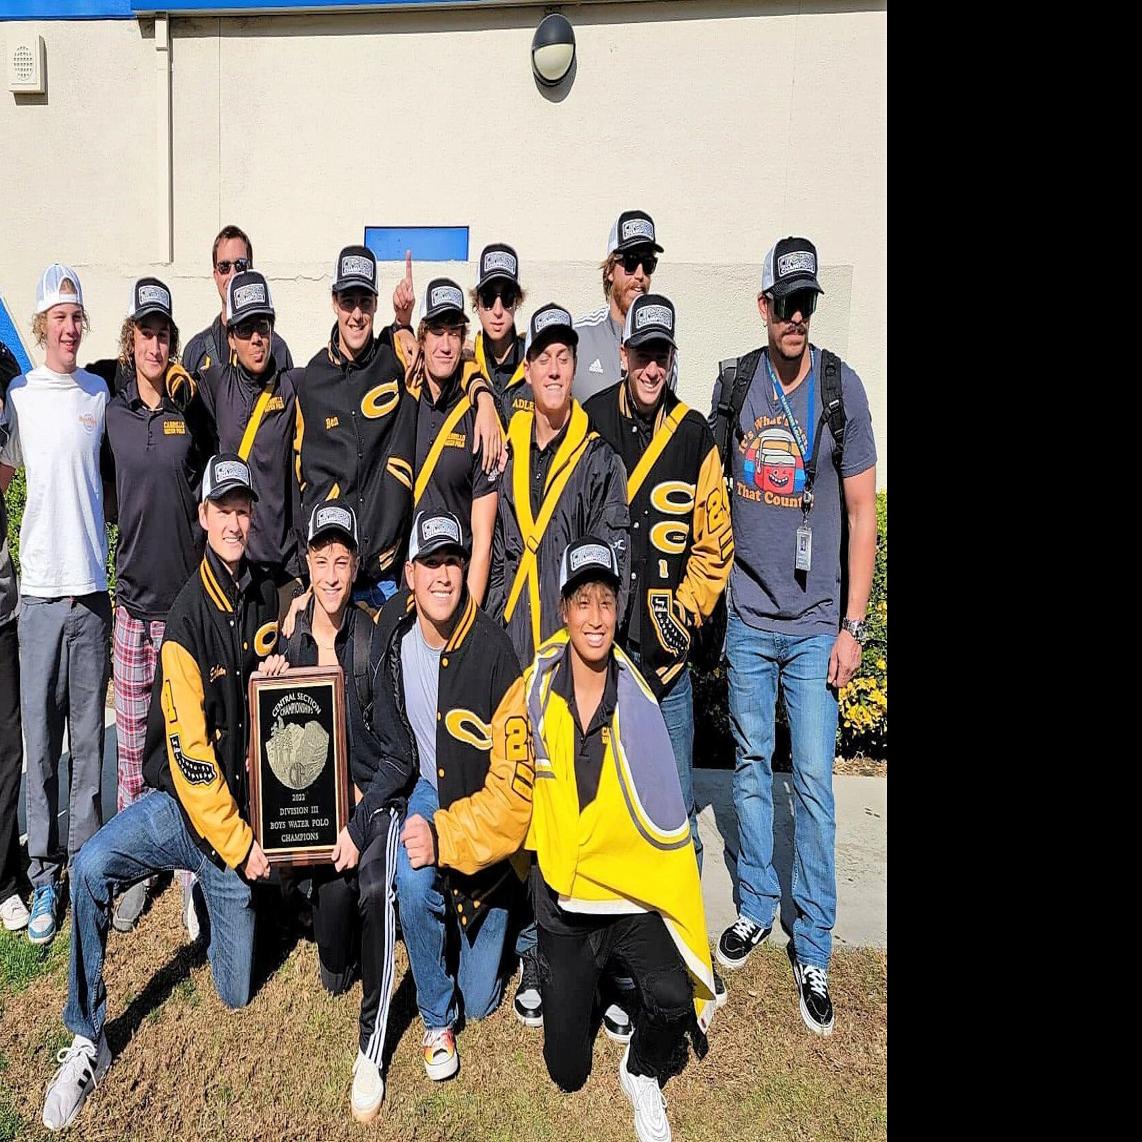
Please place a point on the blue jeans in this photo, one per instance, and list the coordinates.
(678, 713)
(375, 595)
(149, 836)
(424, 919)
(758, 660)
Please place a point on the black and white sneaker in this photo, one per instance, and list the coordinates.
(528, 1003)
(816, 1006)
(721, 996)
(617, 1024)
(738, 940)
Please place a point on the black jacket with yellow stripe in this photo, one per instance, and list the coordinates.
(484, 765)
(512, 391)
(681, 541)
(217, 631)
(355, 440)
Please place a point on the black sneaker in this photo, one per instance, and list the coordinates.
(816, 1006)
(738, 940)
(528, 1003)
(617, 1024)
(721, 996)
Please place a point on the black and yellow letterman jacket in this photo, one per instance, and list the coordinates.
(681, 541)
(217, 631)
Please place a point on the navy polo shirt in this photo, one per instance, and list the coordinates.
(159, 454)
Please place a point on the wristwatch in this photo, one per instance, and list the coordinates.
(855, 627)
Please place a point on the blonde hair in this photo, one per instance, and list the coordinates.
(40, 320)
(474, 297)
(127, 341)
(608, 266)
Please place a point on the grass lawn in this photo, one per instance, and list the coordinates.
(280, 1070)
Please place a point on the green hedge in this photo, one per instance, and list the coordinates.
(16, 497)
(863, 727)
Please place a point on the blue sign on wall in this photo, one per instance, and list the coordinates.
(126, 9)
(427, 243)
(11, 337)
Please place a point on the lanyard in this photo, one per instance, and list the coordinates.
(804, 445)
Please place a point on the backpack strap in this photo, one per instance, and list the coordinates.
(734, 376)
(362, 639)
(832, 402)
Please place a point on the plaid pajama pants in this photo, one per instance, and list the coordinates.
(136, 651)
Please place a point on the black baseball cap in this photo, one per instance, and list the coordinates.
(330, 518)
(442, 298)
(434, 531)
(549, 323)
(632, 229)
(356, 268)
(248, 295)
(650, 318)
(790, 265)
(149, 296)
(498, 262)
(588, 558)
(225, 473)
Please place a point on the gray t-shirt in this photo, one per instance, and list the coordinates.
(765, 589)
(420, 669)
(597, 361)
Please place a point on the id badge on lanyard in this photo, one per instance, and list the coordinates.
(803, 552)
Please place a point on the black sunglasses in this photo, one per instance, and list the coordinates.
(244, 330)
(508, 294)
(241, 265)
(632, 259)
(804, 301)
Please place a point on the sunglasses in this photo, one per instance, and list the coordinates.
(240, 265)
(804, 301)
(508, 294)
(244, 330)
(632, 259)
(365, 302)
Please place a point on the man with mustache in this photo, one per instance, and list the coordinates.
(632, 257)
(801, 456)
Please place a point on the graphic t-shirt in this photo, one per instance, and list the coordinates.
(769, 477)
(420, 669)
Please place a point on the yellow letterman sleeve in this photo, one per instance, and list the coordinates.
(712, 552)
(491, 824)
(298, 436)
(198, 780)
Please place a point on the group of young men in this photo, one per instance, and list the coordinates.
(516, 541)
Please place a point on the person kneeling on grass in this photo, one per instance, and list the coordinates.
(615, 872)
(354, 905)
(195, 816)
(452, 701)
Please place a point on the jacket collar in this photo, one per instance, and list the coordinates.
(223, 590)
(460, 632)
(629, 410)
(304, 622)
(333, 349)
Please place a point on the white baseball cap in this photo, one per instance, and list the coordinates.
(48, 288)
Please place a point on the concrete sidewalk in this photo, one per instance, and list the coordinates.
(862, 847)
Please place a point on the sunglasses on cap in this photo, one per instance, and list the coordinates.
(632, 259)
(803, 301)
(364, 301)
(507, 293)
(244, 330)
(240, 265)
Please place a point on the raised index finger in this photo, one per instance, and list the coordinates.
(408, 265)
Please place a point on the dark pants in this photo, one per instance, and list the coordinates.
(570, 966)
(11, 755)
(353, 915)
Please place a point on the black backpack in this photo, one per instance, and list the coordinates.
(734, 377)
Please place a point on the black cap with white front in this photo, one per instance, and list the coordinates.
(549, 323)
(356, 268)
(434, 531)
(588, 558)
(632, 229)
(443, 299)
(498, 262)
(790, 265)
(248, 295)
(148, 296)
(333, 519)
(226, 473)
(650, 318)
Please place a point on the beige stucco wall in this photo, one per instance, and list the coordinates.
(732, 123)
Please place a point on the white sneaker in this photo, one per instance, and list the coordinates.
(14, 914)
(368, 1089)
(650, 1124)
(190, 893)
(82, 1067)
(441, 1059)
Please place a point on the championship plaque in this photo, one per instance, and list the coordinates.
(298, 763)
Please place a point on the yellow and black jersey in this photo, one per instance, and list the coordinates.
(217, 631)
(681, 541)
(508, 377)
(484, 767)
